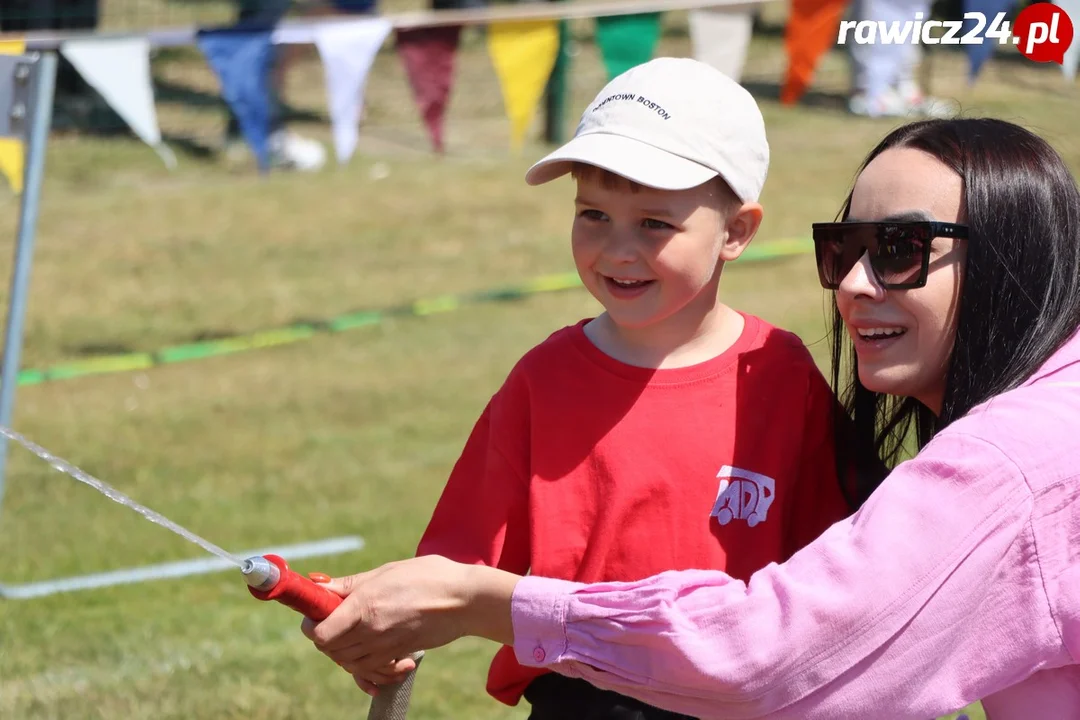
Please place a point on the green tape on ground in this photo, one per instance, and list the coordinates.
(354, 320)
(30, 377)
(446, 303)
(198, 351)
(283, 336)
(98, 366)
(267, 338)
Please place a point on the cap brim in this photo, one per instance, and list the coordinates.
(635, 160)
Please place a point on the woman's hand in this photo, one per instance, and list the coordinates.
(417, 604)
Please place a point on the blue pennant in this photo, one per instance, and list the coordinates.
(241, 60)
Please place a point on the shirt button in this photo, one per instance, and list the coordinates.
(539, 654)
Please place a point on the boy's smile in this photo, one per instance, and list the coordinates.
(627, 288)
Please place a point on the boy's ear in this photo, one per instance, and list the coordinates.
(742, 225)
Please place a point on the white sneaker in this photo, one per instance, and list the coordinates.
(926, 105)
(887, 104)
(908, 102)
(290, 151)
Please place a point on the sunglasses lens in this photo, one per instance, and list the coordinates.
(837, 252)
(896, 253)
(899, 258)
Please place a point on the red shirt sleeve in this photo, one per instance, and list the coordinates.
(819, 501)
(482, 516)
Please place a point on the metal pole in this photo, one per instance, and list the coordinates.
(40, 122)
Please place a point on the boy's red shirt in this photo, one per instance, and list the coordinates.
(587, 469)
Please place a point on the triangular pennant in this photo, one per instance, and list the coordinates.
(1072, 56)
(720, 38)
(523, 54)
(627, 40)
(809, 33)
(241, 61)
(12, 152)
(119, 69)
(347, 51)
(978, 53)
(428, 56)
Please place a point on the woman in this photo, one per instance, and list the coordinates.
(956, 278)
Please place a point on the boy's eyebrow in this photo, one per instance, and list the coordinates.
(908, 216)
(581, 199)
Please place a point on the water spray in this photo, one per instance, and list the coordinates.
(268, 577)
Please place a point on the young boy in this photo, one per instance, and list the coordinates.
(670, 431)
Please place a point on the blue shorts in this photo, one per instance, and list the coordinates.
(354, 6)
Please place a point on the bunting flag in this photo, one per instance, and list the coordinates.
(119, 69)
(428, 56)
(979, 53)
(523, 54)
(810, 33)
(241, 61)
(721, 38)
(348, 50)
(1072, 55)
(627, 40)
(12, 153)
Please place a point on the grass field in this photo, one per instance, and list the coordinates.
(343, 434)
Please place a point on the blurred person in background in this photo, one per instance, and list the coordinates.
(884, 82)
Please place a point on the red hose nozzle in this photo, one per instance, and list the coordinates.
(269, 578)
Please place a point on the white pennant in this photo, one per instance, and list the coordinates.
(1072, 55)
(720, 38)
(120, 71)
(348, 51)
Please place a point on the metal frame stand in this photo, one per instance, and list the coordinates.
(27, 87)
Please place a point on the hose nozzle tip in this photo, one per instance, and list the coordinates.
(260, 573)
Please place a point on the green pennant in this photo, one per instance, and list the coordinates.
(627, 40)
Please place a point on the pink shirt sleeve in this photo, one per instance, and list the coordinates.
(928, 598)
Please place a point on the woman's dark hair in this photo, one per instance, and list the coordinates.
(1019, 300)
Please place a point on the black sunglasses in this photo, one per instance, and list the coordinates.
(899, 251)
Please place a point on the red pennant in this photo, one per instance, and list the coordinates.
(428, 55)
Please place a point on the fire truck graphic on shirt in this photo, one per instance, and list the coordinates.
(743, 495)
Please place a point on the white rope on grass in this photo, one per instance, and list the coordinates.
(182, 568)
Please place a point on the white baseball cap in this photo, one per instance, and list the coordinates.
(672, 124)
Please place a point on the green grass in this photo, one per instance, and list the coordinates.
(344, 434)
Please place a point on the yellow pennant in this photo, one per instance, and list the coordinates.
(11, 149)
(523, 54)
